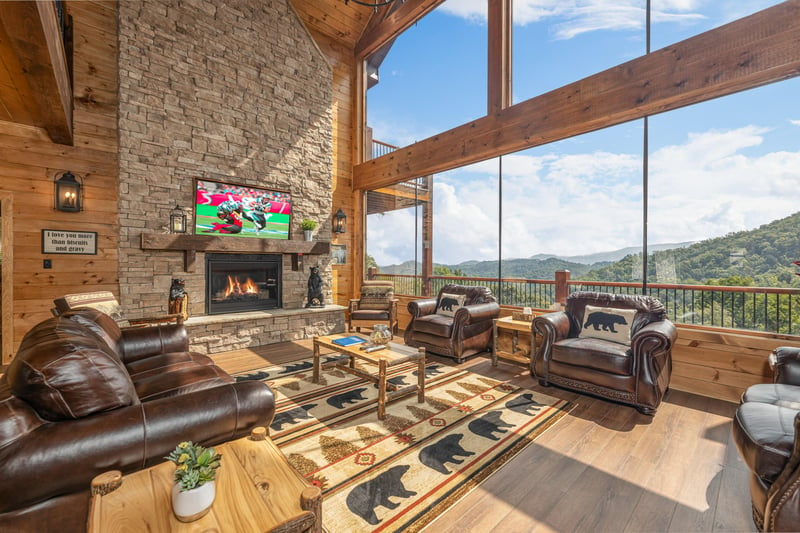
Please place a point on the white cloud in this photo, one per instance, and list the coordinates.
(574, 17)
(794, 122)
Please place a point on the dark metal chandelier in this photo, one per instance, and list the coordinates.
(374, 3)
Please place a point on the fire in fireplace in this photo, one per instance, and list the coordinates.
(242, 282)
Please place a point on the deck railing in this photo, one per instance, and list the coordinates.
(767, 309)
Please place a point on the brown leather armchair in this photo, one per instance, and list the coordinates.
(457, 323)
(82, 397)
(579, 348)
(766, 428)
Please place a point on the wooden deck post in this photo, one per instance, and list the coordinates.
(562, 289)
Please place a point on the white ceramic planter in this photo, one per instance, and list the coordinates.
(193, 504)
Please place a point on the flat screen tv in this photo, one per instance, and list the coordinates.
(241, 211)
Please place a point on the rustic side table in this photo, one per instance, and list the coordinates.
(257, 490)
(517, 353)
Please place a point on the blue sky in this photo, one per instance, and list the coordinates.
(725, 165)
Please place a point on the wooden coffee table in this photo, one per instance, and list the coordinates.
(257, 490)
(384, 359)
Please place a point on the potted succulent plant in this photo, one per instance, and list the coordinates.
(308, 226)
(194, 490)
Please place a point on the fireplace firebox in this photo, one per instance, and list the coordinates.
(242, 282)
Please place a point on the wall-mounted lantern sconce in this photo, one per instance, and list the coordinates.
(69, 193)
(339, 222)
(177, 220)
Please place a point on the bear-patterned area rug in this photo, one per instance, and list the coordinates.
(400, 473)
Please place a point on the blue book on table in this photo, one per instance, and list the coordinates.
(347, 341)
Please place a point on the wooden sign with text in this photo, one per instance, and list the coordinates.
(56, 241)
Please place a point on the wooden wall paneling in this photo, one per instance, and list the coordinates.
(334, 19)
(341, 59)
(15, 93)
(29, 161)
(34, 35)
(7, 276)
(743, 54)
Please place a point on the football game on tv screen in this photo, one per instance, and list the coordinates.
(241, 210)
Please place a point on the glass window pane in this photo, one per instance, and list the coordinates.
(556, 43)
(576, 205)
(394, 233)
(725, 183)
(676, 20)
(432, 78)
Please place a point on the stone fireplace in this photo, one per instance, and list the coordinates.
(227, 107)
(242, 282)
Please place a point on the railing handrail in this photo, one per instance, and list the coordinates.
(680, 286)
(767, 309)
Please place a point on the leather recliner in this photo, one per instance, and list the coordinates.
(637, 373)
(766, 427)
(82, 397)
(457, 323)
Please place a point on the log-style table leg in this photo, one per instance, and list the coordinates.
(381, 389)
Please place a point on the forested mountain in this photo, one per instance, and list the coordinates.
(758, 257)
(761, 257)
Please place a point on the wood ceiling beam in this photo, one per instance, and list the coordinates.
(749, 52)
(499, 56)
(392, 25)
(35, 37)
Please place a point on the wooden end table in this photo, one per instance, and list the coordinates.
(257, 490)
(515, 326)
(384, 359)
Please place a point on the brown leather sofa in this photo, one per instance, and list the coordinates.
(82, 397)
(569, 353)
(457, 323)
(765, 429)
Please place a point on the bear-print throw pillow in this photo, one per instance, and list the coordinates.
(449, 304)
(608, 323)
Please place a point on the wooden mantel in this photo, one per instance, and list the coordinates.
(191, 244)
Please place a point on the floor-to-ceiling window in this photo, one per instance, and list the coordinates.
(695, 205)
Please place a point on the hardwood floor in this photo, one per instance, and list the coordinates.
(604, 467)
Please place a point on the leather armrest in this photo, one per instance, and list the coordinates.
(552, 325)
(782, 512)
(786, 368)
(138, 343)
(663, 328)
(63, 457)
(470, 314)
(655, 337)
(422, 307)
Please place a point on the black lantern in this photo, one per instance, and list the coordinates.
(69, 193)
(339, 222)
(177, 220)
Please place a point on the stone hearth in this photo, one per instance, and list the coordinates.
(218, 333)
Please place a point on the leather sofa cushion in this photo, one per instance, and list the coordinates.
(165, 362)
(437, 325)
(181, 381)
(602, 355)
(63, 375)
(764, 435)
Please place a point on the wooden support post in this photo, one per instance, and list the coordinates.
(562, 288)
